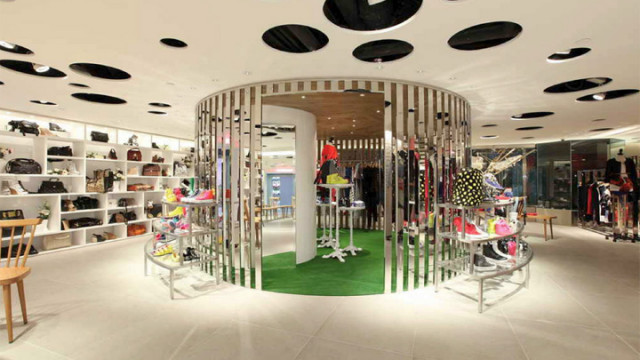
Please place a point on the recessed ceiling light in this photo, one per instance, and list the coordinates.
(420, 71)
(100, 71)
(174, 42)
(247, 73)
(14, 48)
(354, 120)
(608, 95)
(79, 85)
(532, 115)
(333, 128)
(303, 96)
(354, 125)
(599, 97)
(215, 80)
(485, 35)
(43, 102)
(159, 104)
(378, 111)
(352, 133)
(294, 38)
(329, 118)
(370, 15)
(362, 95)
(489, 137)
(30, 68)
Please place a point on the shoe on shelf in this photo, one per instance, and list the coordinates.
(481, 263)
(163, 250)
(336, 179)
(193, 253)
(491, 180)
(502, 198)
(502, 228)
(178, 193)
(190, 198)
(17, 189)
(471, 230)
(204, 196)
(169, 196)
(491, 226)
(491, 255)
(178, 211)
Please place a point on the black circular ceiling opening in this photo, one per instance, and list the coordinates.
(159, 104)
(174, 42)
(528, 137)
(14, 48)
(30, 68)
(157, 112)
(485, 35)
(596, 120)
(379, 51)
(529, 128)
(577, 85)
(99, 98)
(100, 71)
(362, 15)
(295, 38)
(42, 102)
(489, 137)
(531, 115)
(489, 125)
(600, 129)
(1, 83)
(269, 133)
(608, 95)
(567, 54)
(79, 85)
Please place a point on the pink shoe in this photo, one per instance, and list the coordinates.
(502, 228)
(178, 194)
(206, 196)
(512, 248)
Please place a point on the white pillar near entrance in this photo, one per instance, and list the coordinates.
(305, 159)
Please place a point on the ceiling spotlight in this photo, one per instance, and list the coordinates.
(420, 71)
(7, 45)
(304, 97)
(380, 67)
(329, 118)
(362, 95)
(352, 133)
(354, 120)
(354, 125)
(40, 68)
(333, 128)
(378, 111)
(247, 73)
(599, 96)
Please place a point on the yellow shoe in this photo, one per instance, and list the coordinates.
(178, 211)
(169, 196)
(336, 179)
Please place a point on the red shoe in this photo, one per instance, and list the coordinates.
(502, 198)
(206, 196)
(178, 194)
(470, 229)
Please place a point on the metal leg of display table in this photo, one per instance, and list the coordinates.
(337, 252)
(325, 240)
(171, 278)
(351, 248)
(480, 295)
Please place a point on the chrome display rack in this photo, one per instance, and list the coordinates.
(197, 238)
(464, 265)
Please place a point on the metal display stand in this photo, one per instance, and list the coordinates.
(326, 240)
(351, 248)
(337, 252)
(465, 265)
(193, 237)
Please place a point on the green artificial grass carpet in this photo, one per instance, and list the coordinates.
(362, 274)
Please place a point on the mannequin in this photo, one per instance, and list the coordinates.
(622, 176)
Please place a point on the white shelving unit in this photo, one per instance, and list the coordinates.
(32, 147)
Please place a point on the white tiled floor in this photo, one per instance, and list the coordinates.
(95, 303)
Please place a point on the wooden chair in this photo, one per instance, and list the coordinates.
(15, 274)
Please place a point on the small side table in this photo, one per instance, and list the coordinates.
(351, 248)
(545, 219)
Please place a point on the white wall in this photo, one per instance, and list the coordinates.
(305, 160)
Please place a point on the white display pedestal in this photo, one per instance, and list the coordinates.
(326, 240)
(351, 248)
(337, 252)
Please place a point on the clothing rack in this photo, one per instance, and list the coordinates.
(600, 224)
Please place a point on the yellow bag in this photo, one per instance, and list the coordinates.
(336, 179)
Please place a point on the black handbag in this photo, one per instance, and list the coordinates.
(11, 215)
(109, 178)
(56, 127)
(60, 151)
(14, 250)
(85, 203)
(154, 211)
(52, 186)
(23, 166)
(83, 222)
(99, 136)
(112, 154)
(25, 127)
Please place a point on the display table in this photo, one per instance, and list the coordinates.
(337, 252)
(545, 219)
(325, 240)
(351, 210)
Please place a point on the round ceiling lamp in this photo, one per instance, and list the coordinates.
(608, 95)
(14, 48)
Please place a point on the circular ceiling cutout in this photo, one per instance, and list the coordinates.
(99, 98)
(157, 112)
(600, 129)
(159, 104)
(296, 39)
(371, 15)
(531, 115)
(30, 68)
(14, 48)
(1, 83)
(528, 137)
(79, 85)
(577, 85)
(174, 42)
(100, 71)
(608, 95)
(596, 120)
(529, 128)
(489, 125)
(485, 35)
(379, 51)
(269, 133)
(42, 102)
(488, 137)
(565, 55)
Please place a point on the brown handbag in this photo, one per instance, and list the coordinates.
(134, 154)
(151, 170)
(96, 184)
(139, 187)
(136, 229)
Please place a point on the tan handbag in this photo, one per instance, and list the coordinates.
(56, 241)
(97, 183)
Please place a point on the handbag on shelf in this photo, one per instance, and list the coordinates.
(139, 187)
(57, 241)
(108, 180)
(112, 154)
(83, 222)
(134, 154)
(132, 171)
(52, 186)
(124, 202)
(60, 151)
(99, 136)
(14, 251)
(23, 166)
(136, 229)
(180, 169)
(96, 238)
(25, 127)
(109, 236)
(56, 127)
(154, 211)
(11, 215)
(96, 184)
(151, 170)
(157, 159)
(68, 205)
(117, 218)
(85, 203)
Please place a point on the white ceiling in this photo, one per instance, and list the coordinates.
(224, 40)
